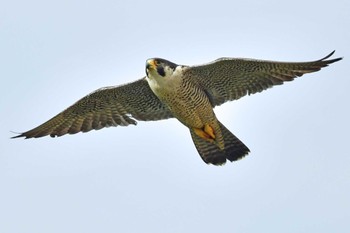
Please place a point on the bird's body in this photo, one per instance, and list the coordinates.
(188, 93)
(185, 99)
(188, 102)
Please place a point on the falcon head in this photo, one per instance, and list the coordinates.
(159, 68)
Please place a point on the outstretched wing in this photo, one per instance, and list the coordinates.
(109, 106)
(232, 78)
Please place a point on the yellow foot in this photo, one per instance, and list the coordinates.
(207, 132)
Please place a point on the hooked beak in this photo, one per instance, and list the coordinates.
(150, 64)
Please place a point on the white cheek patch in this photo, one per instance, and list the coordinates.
(177, 72)
(171, 79)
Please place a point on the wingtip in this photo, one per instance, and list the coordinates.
(332, 60)
(20, 135)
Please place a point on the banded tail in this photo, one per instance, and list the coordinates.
(210, 152)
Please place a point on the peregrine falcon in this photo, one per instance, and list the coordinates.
(188, 93)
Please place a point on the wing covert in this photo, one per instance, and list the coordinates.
(228, 79)
(109, 106)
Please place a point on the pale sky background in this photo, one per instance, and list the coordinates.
(149, 177)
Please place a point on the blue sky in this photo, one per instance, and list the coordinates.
(149, 177)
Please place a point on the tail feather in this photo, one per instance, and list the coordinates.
(234, 148)
(210, 152)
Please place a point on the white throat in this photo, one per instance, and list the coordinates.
(171, 80)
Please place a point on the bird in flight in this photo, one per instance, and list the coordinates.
(188, 93)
